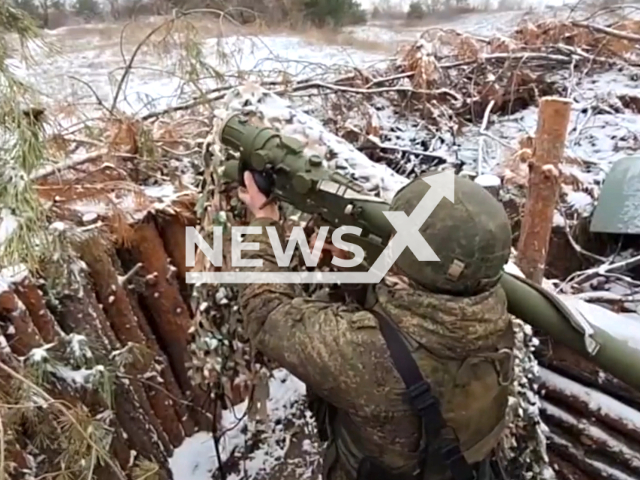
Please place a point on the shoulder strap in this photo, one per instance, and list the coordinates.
(421, 398)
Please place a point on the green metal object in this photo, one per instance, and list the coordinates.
(618, 208)
(340, 201)
(544, 310)
(303, 182)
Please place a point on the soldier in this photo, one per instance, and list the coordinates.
(412, 384)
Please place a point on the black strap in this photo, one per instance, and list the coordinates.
(421, 398)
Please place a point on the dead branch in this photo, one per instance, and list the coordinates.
(608, 31)
(607, 297)
(76, 162)
(126, 278)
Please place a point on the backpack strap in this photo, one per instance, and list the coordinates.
(422, 399)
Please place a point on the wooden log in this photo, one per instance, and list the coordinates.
(544, 186)
(80, 313)
(603, 410)
(582, 468)
(10, 360)
(595, 443)
(561, 359)
(564, 470)
(170, 314)
(19, 330)
(31, 297)
(115, 303)
(168, 383)
(172, 229)
(131, 385)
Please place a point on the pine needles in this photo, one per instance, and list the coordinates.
(22, 148)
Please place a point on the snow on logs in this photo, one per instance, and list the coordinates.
(138, 322)
(170, 315)
(115, 303)
(592, 435)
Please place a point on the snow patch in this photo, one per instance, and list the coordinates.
(196, 458)
(8, 224)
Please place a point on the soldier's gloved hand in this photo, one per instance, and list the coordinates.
(255, 200)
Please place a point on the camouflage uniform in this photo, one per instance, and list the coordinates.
(461, 344)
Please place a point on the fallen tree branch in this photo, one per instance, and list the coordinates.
(608, 31)
(76, 162)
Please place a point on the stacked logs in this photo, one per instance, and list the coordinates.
(593, 419)
(156, 405)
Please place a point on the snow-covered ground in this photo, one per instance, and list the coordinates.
(158, 75)
(196, 458)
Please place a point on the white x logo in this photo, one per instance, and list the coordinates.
(407, 227)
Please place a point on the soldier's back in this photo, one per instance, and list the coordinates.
(463, 346)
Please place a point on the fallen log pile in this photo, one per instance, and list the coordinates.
(593, 419)
(113, 340)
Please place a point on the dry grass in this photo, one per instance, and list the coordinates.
(108, 34)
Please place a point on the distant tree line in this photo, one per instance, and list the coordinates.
(52, 14)
(423, 9)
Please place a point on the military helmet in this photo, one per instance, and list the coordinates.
(471, 236)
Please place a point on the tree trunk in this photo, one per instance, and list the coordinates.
(171, 320)
(544, 185)
(115, 304)
(81, 314)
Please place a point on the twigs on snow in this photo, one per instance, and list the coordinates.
(582, 277)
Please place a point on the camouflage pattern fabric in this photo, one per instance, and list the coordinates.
(463, 345)
(471, 235)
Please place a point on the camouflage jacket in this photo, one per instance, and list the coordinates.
(463, 346)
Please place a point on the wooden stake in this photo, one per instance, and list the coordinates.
(544, 185)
